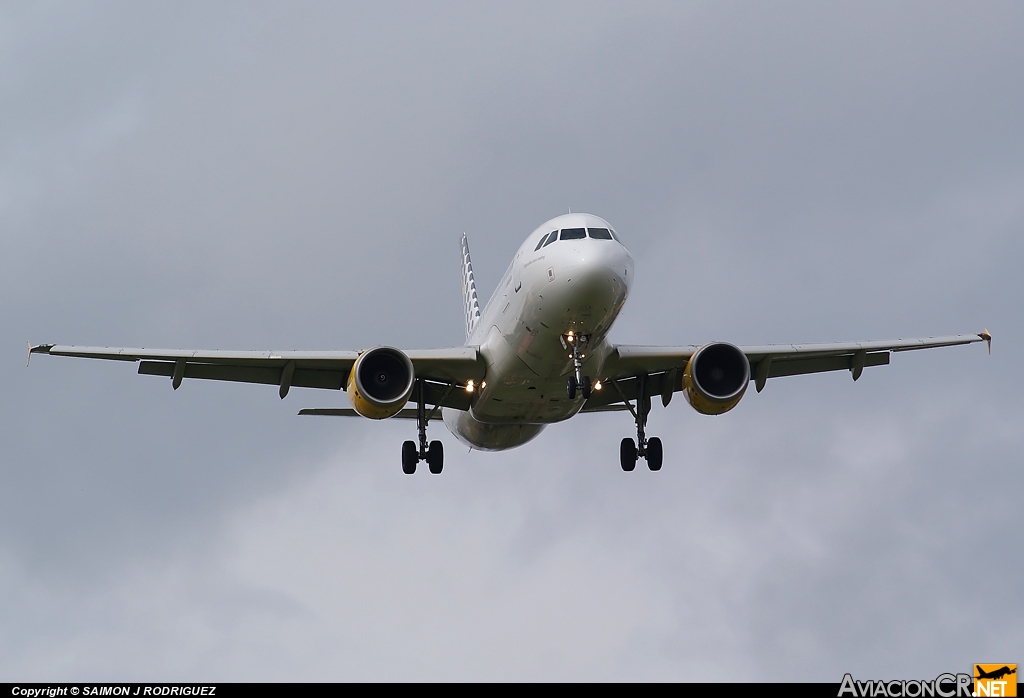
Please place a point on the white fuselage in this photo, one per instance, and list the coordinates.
(576, 285)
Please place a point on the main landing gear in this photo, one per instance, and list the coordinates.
(649, 449)
(576, 343)
(433, 454)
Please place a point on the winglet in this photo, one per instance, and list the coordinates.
(39, 349)
(984, 334)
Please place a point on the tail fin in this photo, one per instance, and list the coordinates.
(469, 299)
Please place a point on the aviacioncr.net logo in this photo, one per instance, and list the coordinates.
(942, 686)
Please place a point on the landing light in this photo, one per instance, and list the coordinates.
(469, 387)
(597, 385)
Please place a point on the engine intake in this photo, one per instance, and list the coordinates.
(716, 377)
(380, 382)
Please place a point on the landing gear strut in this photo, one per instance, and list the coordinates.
(432, 453)
(576, 343)
(648, 449)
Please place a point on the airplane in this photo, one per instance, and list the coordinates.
(536, 355)
(995, 674)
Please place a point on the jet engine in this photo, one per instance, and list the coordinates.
(380, 382)
(716, 377)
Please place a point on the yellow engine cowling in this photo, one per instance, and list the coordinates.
(380, 382)
(716, 377)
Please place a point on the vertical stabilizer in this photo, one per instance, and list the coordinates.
(469, 297)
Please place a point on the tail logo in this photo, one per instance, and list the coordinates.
(471, 303)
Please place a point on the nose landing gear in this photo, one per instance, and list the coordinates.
(576, 343)
(584, 387)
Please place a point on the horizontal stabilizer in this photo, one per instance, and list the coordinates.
(619, 407)
(349, 412)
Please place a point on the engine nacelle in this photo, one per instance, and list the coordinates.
(716, 377)
(380, 382)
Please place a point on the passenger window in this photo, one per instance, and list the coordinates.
(551, 238)
(574, 233)
(600, 233)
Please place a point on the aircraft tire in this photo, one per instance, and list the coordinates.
(585, 388)
(571, 388)
(435, 457)
(627, 454)
(409, 457)
(655, 453)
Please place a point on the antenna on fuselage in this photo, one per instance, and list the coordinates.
(570, 209)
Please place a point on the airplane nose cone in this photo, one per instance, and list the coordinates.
(599, 281)
(602, 265)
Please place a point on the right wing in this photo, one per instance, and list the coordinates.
(440, 368)
(663, 366)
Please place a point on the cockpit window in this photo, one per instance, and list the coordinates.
(543, 239)
(574, 233)
(552, 236)
(614, 236)
(600, 233)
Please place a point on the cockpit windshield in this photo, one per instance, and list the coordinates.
(576, 234)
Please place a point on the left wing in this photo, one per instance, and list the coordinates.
(440, 368)
(663, 366)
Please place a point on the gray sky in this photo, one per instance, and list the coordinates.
(296, 176)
